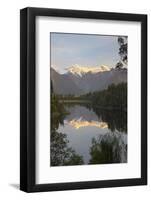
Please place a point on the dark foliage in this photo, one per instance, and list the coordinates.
(122, 41)
(107, 149)
(114, 97)
(61, 154)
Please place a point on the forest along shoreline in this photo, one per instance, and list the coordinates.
(113, 98)
(110, 147)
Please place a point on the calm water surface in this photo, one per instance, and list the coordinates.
(97, 136)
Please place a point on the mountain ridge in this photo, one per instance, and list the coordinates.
(75, 84)
(80, 70)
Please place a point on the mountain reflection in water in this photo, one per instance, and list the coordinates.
(92, 136)
(79, 123)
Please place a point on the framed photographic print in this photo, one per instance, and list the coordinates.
(83, 99)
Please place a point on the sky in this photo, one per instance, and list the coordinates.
(69, 49)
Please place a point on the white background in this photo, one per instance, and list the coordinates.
(9, 100)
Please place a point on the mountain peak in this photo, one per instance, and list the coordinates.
(81, 70)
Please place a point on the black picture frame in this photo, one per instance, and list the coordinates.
(28, 98)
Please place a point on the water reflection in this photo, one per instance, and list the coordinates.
(88, 135)
(79, 123)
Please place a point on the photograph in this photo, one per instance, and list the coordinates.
(83, 100)
(88, 99)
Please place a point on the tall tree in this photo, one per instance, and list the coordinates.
(122, 41)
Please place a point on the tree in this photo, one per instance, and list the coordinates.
(119, 65)
(61, 153)
(122, 41)
(108, 148)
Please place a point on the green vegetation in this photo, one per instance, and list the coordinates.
(116, 119)
(114, 97)
(110, 105)
(58, 112)
(106, 150)
(122, 41)
(61, 153)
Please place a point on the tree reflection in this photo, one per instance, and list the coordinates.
(61, 153)
(108, 148)
(116, 119)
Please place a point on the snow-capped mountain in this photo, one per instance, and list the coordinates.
(81, 80)
(81, 70)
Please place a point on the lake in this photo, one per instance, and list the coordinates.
(89, 135)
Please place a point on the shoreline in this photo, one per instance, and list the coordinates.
(95, 106)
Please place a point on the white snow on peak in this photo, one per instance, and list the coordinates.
(81, 70)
